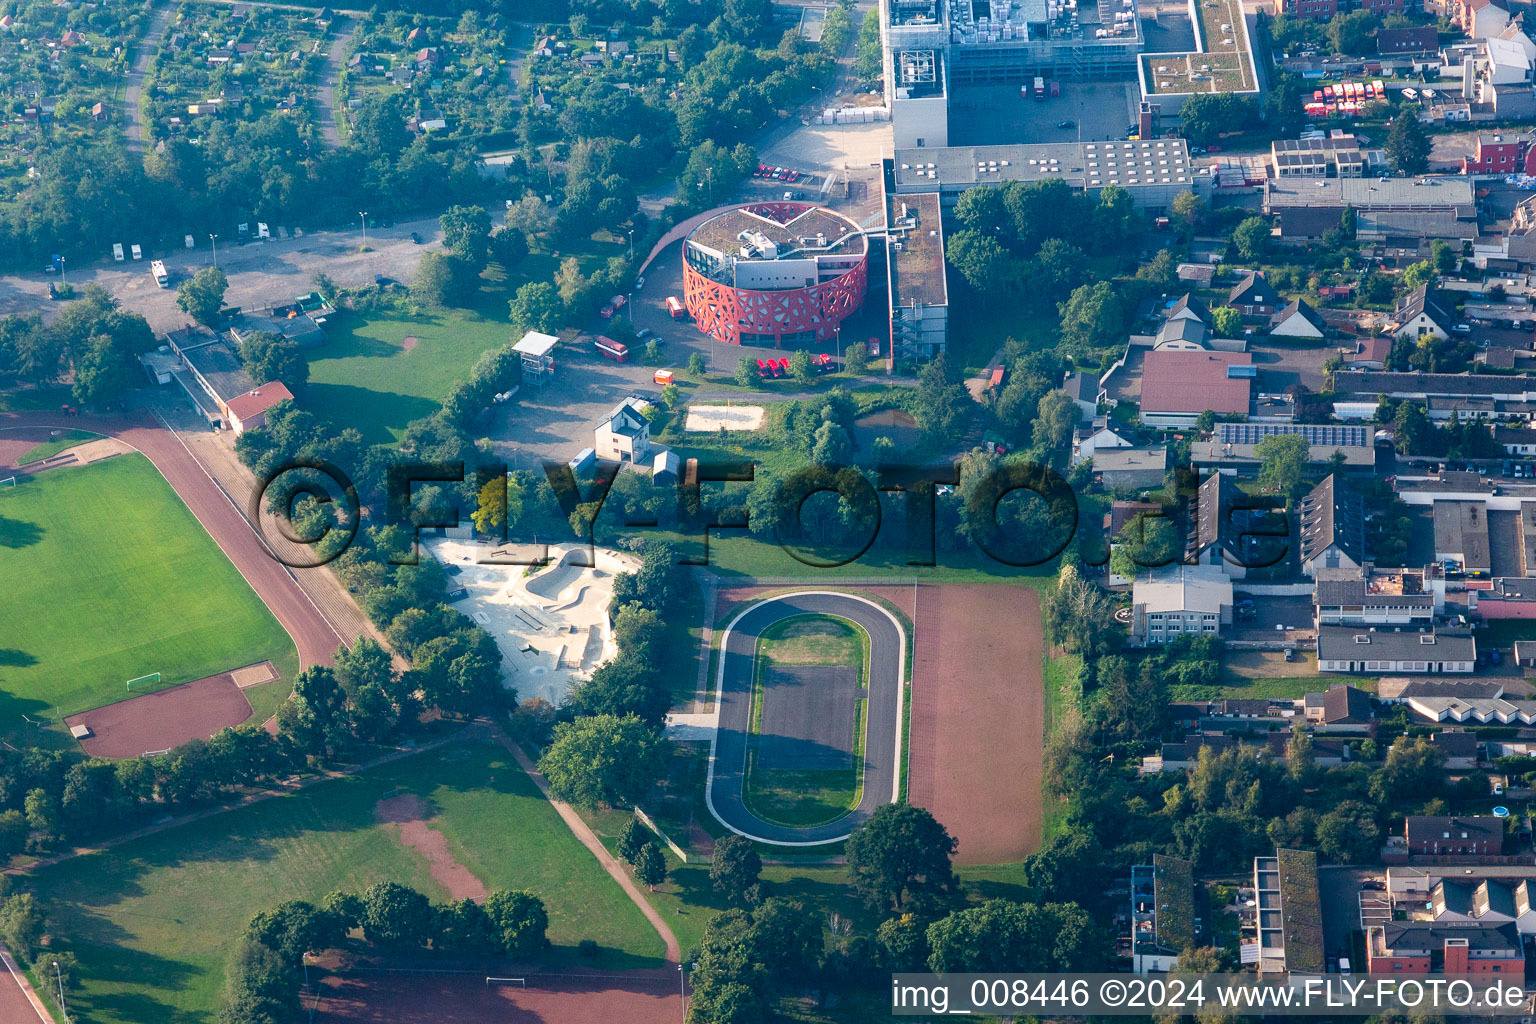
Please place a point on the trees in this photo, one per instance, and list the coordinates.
(1445, 258)
(394, 915)
(900, 851)
(867, 55)
(1227, 322)
(1057, 418)
(535, 306)
(632, 837)
(1407, 144)
(800, 366)
(21, 924)
(1188, 208)
(1353, 33)
(443, 279)
(1206, 115)
(856, 359)
(1092, 319)
(1349, 833)
(746, 371)
(695, 364)
(735, 869)
(1002, 935)
(981, 260)
(269, 357)
(1416, 274)
(943, 405)
(467, 234)
(713, 172)
(603, 760)
(650, 866)
(520, 922)
(1251, 238)
(201, 296)
(1282, 461)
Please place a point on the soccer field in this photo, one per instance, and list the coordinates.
(153, 921)
(107, 576)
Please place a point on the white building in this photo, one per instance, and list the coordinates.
(624, 435)
(1180, 599)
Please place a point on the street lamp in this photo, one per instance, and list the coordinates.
(364, 215)
(214, 241)
(59, 976)
(631, 244)
(62, 279)
(681, 991)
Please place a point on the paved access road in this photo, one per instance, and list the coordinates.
(882, 737)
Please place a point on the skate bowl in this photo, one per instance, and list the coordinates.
(552, 627)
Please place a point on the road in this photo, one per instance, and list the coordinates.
(882, 737)
(325, 92)
(148, 45)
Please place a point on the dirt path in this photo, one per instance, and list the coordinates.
(148, 45)
(590, 841)
(325, 91)
(410, 815)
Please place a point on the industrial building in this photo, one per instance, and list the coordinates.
(777, 273)
(1152, 170)
(914, 267)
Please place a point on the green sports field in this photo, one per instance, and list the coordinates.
(108, 576)
(153, 921)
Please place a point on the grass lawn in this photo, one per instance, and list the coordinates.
(64, 442)
(107, 576)
(809, 797)
(366, 378)
(154, 920)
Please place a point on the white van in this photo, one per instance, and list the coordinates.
(117, 251)
(138, 253)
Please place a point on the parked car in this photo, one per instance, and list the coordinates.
(1066, 124)
(1290, 654)
(643, 333)
(606, 312)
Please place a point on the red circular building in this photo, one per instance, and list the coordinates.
(775, 274)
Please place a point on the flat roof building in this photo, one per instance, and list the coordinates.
(1152, 170)
(1289, 914)
(915, 272)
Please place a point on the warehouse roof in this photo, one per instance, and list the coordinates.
(1191, 382)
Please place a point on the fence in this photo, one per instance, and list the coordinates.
(677, 851)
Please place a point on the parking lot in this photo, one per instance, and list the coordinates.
(989, 115)
(1345, 903)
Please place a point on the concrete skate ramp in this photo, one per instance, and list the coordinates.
(550, 583)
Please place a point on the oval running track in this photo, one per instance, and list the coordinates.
(733, 696)
(314, 637)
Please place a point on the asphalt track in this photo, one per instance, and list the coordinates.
(882, 744)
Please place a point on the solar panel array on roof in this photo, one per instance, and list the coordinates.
(1322, 435)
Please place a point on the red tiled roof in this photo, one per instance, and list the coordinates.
(1191, 382)
(258, 400)
(1374, 349)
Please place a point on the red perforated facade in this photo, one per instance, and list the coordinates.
(779, 316)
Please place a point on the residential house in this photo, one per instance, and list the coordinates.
(1415, 39)
(1083, 388)
(1340, 704)
(1164, 921)
(1480, 19)
(1332, 527)
(1253, 296)
(1460, 749)
(1409, 947)
(1371, 353)
(624, 435)
(1217, 525)
(1298, 320)
(1420, 312)
(1096, 437)
(1130, 469)
(1177, 600)
(1120, 515)
(249, 411)
(1366, 596)
(1458, 835)
(1369, 651)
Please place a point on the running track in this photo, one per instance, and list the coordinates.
(314, 637)
(882, 737)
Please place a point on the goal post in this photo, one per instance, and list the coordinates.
(519, 982)
(9, 481)
(151, 679)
